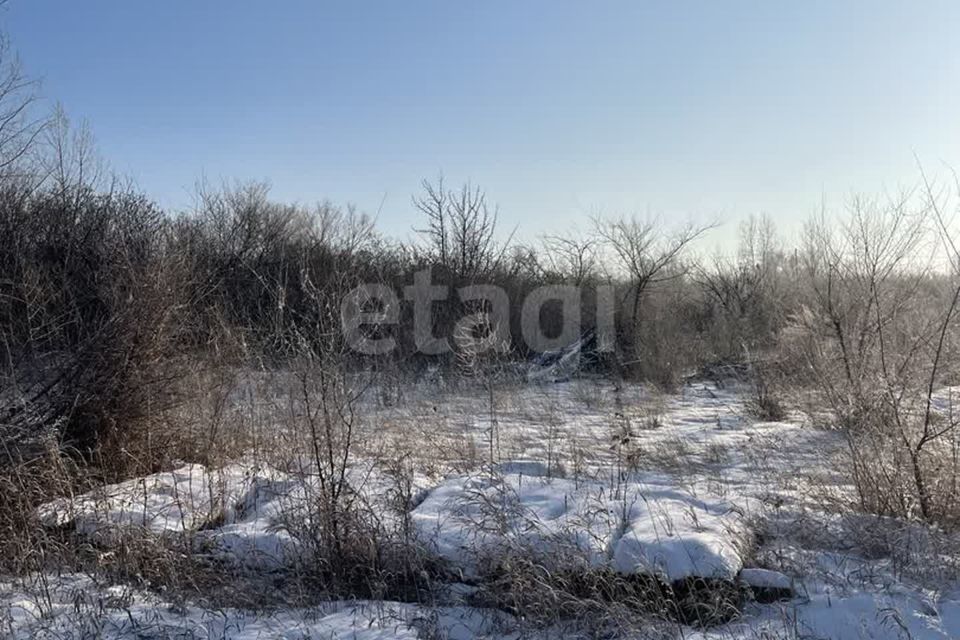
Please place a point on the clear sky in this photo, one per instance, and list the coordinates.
(558, 109)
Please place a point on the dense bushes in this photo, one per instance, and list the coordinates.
(89, 329)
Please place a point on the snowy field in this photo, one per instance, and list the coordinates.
(577, 478)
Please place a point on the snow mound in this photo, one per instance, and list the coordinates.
(181, 500)
(632, 527)
(247, 515)
(233, 512)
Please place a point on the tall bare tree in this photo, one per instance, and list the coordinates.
(879, 335)
(647, 254)
(461, 230)
(20, 124)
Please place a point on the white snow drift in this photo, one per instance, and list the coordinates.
(629, 526)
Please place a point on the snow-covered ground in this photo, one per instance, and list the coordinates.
(74, 606)
(580, 475)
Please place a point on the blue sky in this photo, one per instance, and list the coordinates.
(560, 110)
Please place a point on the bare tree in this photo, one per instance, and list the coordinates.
(433, 204)
(646, 254)
(852, 270)
(879, 335)
(19, 123)
(571, 256)
(461, 230)
(69, 162)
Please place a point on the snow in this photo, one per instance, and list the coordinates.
(586, 475)
(248, 514)
(631, 526)
(469, 519)
(77, 607)
(765, 579)
(184, 499)
(861, 616)
(233, 512)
